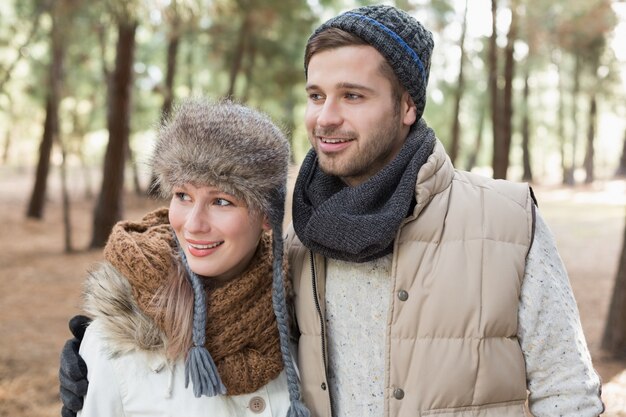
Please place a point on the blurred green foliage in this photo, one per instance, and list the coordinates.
(254, 49)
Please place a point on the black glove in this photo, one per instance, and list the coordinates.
(73, 370)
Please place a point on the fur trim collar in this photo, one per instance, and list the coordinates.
(108, 298)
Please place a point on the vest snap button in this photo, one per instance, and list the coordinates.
(257, 405)
(324, 386)
(403, 295)
(398, 394)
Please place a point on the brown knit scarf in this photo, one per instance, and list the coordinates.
(241, 333)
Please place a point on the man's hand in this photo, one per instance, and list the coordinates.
(73, 370)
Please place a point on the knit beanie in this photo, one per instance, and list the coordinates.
(241, 152)
(399, 38)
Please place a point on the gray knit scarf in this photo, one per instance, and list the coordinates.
(359, 224)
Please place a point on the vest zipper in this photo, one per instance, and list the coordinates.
(322, 329)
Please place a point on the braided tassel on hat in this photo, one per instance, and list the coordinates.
(297, 407)
(199, 365)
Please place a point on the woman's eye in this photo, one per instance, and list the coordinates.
(182, 196)
(222, 202)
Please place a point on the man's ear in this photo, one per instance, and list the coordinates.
(409, 110)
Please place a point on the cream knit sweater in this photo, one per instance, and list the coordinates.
(560, 376)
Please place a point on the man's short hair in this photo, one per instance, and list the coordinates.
(405, 44)
(333, 38)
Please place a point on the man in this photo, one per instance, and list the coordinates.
(419, 289)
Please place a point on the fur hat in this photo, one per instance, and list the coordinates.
(223, 144)
(241, 152)
(399, 38)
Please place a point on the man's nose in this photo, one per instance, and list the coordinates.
(330, 114)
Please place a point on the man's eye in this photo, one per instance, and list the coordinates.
(353, 96)
(315, 96)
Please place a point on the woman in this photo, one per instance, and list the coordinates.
(194, 295)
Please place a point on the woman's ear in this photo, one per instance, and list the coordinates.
(266, 223)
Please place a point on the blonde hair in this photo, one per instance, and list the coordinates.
(173, 303)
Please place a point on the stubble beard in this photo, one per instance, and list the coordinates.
(356, 167)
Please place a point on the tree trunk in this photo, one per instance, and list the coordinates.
(591, 135)
(244, 33)
(8, 137)
(172, 52)
(561, 116)
(569, 178)
(38, 194)
(621, 169)
(527, 174)
(495, 92)
(614, 339)
(51, 124)
(133, 165)
(101, 31)
(168, 99)
(89, 193)
(454, 135)
(471, 161)
(79, 131)
(189, 67)
(249, 72)
(109, 207)
(500, 170)
(67, 222)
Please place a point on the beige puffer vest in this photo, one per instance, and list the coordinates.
(458, 264)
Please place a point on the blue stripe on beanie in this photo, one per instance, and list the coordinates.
(402, 41)
(398, 39)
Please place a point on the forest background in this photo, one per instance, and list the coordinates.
(528, 90)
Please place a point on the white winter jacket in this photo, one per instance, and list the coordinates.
(142, 384)
(129, 375)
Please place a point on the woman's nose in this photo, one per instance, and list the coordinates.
(198, 220)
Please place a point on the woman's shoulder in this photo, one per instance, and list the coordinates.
(119, 320)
